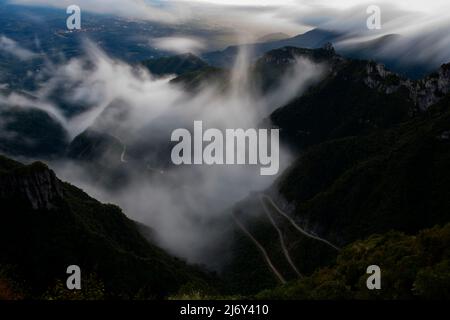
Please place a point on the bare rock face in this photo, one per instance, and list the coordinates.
(431, 89)
(36, 185)
(423, 93)
(383, 80)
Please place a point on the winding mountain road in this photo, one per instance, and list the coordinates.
(301, 230)
(280, 235)
(122, 156)
(261, 248)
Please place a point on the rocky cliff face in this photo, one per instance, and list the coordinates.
(423, 93)
(383, 80)
(431, 89)
(36, 185)
(72, 228)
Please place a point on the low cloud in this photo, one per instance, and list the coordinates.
(185, 206)
(178, 44)
(13, 100)
(132, 9)
(12, 48)
(423, 25)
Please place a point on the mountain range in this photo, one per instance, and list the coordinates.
(47, 225)
(369, 186)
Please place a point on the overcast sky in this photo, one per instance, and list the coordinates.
(423, 25)
(260, 17)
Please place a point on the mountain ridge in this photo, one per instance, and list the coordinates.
(61, 225)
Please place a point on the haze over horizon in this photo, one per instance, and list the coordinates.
(93, 172)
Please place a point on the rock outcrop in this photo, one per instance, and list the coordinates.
(36, 185)
(423, 93)
(431, 89)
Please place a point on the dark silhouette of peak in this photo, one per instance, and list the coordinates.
(177, 65)
(47, 225)
(315, 38)
(273, 37)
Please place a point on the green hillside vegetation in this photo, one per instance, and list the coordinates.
(391, 179)
(412, 267)
(349, 189)
(371, 175)
(38, 242)
(368, 164)
(341, 105)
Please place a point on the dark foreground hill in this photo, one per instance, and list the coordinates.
(372, 158)
(384, 187)
(47, 225)
(413, 266)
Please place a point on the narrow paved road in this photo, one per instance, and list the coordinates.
(280, 235)
(122, 156)
(261, 248)
(124, 150)
(301, 230)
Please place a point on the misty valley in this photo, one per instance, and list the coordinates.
(163, 153)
